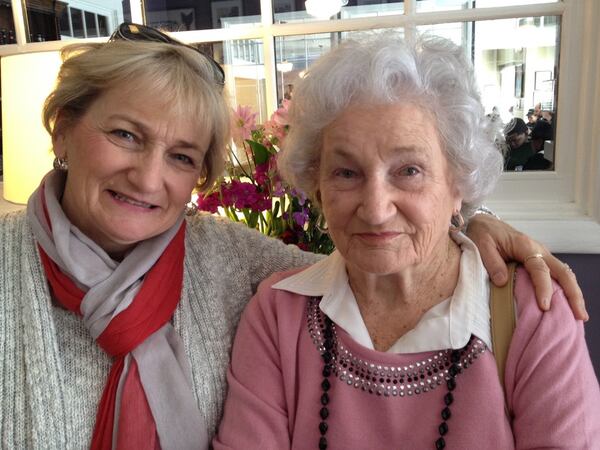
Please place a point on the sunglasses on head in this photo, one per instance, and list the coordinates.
(135, 32)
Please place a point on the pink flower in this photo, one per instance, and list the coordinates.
(227, 194)
(278, 124)
(261, 174)
(209, 203)
(245, 195)
(281, 116)
(243, 122)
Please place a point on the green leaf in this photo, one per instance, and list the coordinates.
(253, 219)
(260, 152)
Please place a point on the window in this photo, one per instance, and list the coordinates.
(91, 29)
(77, 21)
(525, 52)
(202, 15)
(7, 27)
(63, 20)
(445, 5)
(514, 66)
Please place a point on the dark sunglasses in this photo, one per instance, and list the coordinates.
(135, 32)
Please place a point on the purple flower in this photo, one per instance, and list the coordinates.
(301, 196)
(278, 188)
(300, 217)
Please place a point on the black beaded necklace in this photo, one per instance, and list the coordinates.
(329, 343)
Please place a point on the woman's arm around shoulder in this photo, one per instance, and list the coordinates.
(255, 414)
(551, 387)
(498, 242)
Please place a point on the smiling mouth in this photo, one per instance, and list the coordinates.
(131, 201)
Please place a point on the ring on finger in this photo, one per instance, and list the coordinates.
(533, 255)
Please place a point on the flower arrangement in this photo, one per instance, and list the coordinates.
(252, 191)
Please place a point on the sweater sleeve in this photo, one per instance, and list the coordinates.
(255, 415)
(552, 390)
(248, 250)
(267, 255)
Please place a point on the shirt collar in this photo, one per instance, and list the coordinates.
(449, 324)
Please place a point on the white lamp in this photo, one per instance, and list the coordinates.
(285, 66)
(324, 9)
(27, 79)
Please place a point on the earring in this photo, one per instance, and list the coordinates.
(60, 164)
(191, 209)
(457, 223)
(321, 220)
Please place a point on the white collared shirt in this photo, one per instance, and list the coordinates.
(448, 324)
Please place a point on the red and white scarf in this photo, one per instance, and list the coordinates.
(148, 401)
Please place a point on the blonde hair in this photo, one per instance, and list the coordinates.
(180, 75)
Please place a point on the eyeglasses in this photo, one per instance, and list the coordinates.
(135, 32)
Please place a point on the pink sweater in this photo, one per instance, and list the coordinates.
(275, 386)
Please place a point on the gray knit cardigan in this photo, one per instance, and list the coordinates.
(52, 373)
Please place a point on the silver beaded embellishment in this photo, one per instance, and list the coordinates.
(389, 381)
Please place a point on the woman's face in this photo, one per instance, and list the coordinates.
(385, 187)
(132, 167)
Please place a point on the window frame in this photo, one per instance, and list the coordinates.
(559, 208)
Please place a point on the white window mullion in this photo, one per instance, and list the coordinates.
(587, 133)
(97, 24)
(270, 73)
(268, 40)
(84, 22)
(20, 25)
(219, 34)
(137, 11)
(70, 21)
(410, 7)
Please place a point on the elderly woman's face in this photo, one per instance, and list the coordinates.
(385, 187)
(132, 167)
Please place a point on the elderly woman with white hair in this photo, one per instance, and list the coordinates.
(386, 343)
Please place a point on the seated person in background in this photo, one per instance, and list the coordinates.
(531, 119)
(386, 342)
(541, 132)
(516, 134)
(548, 116)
